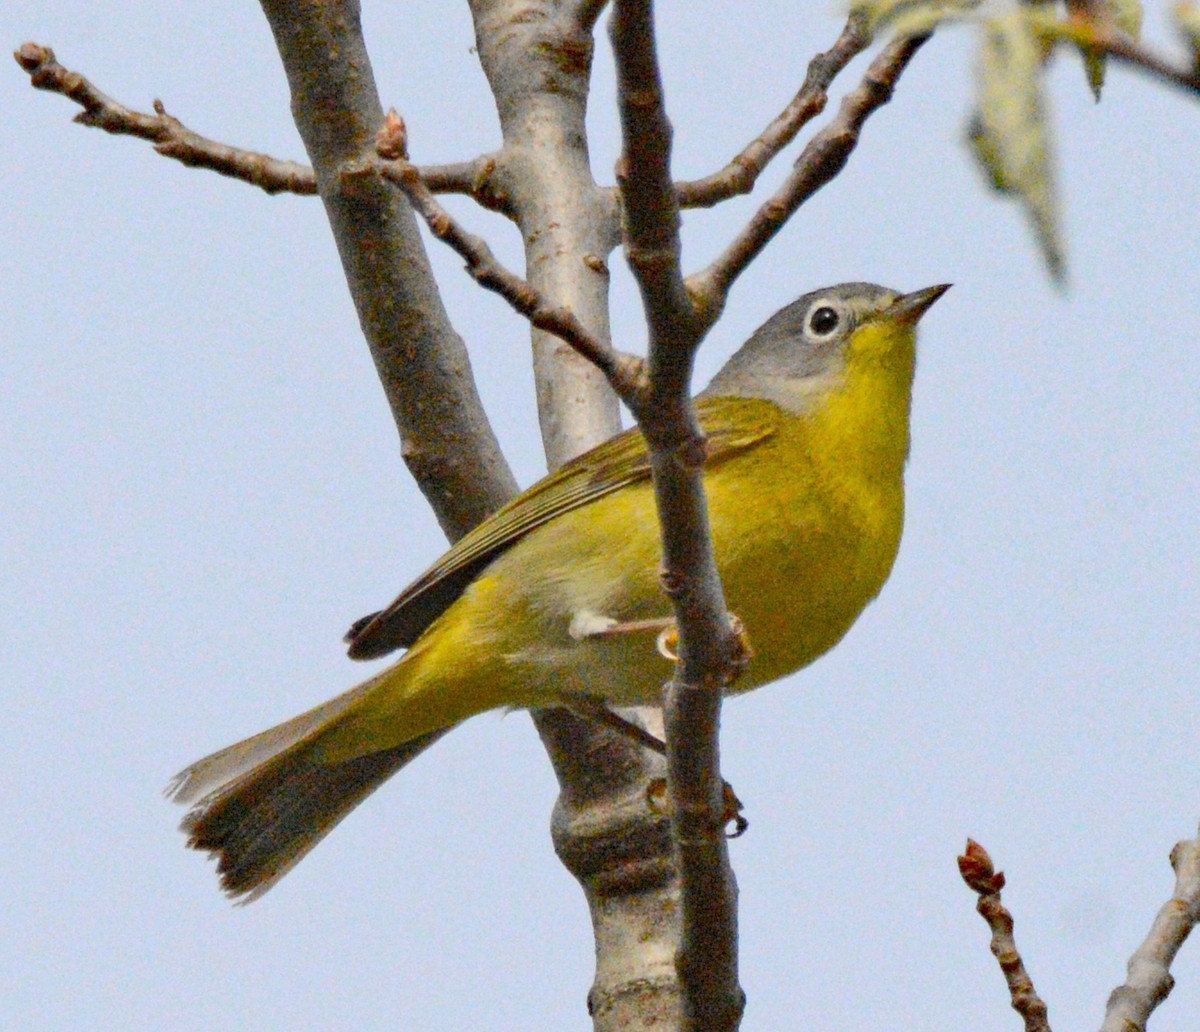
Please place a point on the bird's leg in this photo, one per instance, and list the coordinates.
(586, 624)
(591, 708)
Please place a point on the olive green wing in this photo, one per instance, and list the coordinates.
(731, 425)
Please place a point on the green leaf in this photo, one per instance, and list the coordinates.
(1008, 132)
(911, 17)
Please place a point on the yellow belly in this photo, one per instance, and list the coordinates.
(804, 538)
(801, 553)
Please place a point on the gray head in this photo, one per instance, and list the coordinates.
(801, 349)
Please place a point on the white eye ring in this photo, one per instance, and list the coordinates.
(824, 320)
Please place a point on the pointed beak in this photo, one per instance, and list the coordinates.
(908, 308)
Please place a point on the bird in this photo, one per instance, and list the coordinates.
(546, 602)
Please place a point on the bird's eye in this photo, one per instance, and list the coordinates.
(823, 321)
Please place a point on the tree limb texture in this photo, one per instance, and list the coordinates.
(538, 62)
(1148, 979)
(173, 139)
(706, 959)
(422, 362)
(537, 56)
(586, 12)
(170, 136)
(625, 373)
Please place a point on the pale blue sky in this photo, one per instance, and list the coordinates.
(201, 488)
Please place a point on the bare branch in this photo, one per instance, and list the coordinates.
(740, 175)
(586, 12)
(975, 866)
(447, 445)
(1148, 980)
(823, 158)
(1091, 27)
(170, 137)
(651, 213)
(619, 850)
(706, 959)
(470, 178)
(447, 442)
(626, 373)
(568, 225)
(1132, 53)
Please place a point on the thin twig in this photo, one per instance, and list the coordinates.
(823, 158)
(975, 866)
(651, 212)
(470, 178)
(1132, 53)
(624, 372)
(1090, 26)
(740, 175)
(173, 139)
(170, 137)
(1148, 976)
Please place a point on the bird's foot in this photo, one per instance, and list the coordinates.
(731, 806)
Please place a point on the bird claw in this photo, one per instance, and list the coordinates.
(731, 807)
(667, 643)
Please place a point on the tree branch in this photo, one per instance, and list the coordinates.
(1148, 980)
(822, 158)
(170, 137)
(651, 229)
(975, 866)
(706, 959)
(1134, 54)
(538, 63)
(537, 56)
(586, 12)
(1094, 33)
(625, 373)
(470, 178)
(423, 365)
(740, 175)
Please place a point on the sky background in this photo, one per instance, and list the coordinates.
(201, 488)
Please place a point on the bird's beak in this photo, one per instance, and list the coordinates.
(908, 308)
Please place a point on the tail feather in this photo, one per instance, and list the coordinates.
(228, 765)
(261, 825)
(259, 806)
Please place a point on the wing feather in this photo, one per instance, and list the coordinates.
(732, 425)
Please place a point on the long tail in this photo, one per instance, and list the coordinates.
(259, 806)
